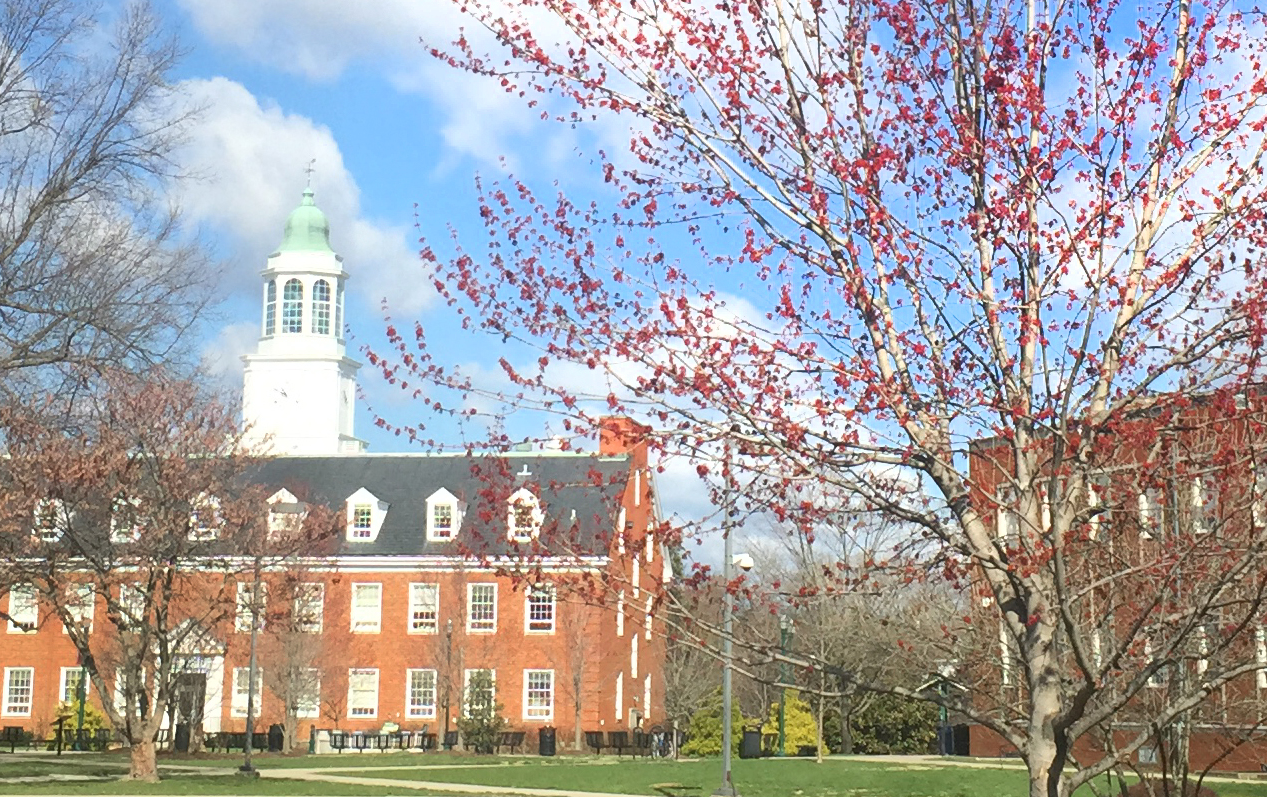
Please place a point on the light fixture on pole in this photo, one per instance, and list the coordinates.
(785, 634)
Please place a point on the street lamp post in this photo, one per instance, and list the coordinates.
(727, 788)
(247, 768)
(785, 633)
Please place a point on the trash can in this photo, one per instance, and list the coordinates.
(546, 741)
(276, 738)
(750, 745)
(182, 738)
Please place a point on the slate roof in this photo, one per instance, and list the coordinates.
(579, 494)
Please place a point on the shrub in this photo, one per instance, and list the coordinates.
(799, 728)
(482, 723)
(705, 731)
(892, 724)
(94, 718)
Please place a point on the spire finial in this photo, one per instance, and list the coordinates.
(310, 169)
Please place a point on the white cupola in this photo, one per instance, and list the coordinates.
(299, 388)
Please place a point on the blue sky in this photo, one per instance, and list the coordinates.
(393, 133)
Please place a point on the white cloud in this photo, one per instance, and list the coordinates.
(222, 355)
(248, 163)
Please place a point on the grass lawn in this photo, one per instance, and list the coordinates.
(205, 784)
(795, 778)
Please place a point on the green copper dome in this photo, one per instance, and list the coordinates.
(307, 229)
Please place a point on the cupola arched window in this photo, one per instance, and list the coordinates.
(321, 307)
(293, 306)
(338, 311)
(270, 307)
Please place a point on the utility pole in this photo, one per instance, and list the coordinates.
(727, 788)
(785, 634)
(247, 769)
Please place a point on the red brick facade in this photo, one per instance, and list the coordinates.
(598, 635)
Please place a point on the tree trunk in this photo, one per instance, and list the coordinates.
(143, 762)
(577, 737)
(289, 725)
(1045, 753)
(822, 706)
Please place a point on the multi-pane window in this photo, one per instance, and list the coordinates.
(321, 307)
(270, 307)
(17, 691)
(132, 604)
(242, 691)
(620, 614)
(481, 604)
(538, 694)
(81, 603)
(421, 698)
(362, 693)
(367, 608)
(1008, 521)
(308, 694)
(525, 516)
(310, 598)
(72, 677)
(1151, 513)
(293, 306)
(442, 521)
(338, 310)
(247, 604)
(24, 612)
(362, 521)
(540, 613)
(125, 519)
(204, 518)
(424, 608)
(1205, 506)
(51, 517)
(479, 692)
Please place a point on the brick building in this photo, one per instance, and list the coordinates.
(536, 566)
(1161, 526)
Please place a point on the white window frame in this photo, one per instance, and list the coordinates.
(1260, 654)
(24, 607)
(538, 713)
(121, 530)
(66, 692)
(417, 622)
(81, 606)
(377, 510)
(367, 619)
(466, 687)
(55, 510)
(1152, 513)
(541, 595)
(362, 712)
(310, 607)
(440, 498)
(523, 499)
(646, 617)
(286, 513)
(482, 625)
(9, 707)
(242, 683)
(1007, 521)
(308, 704)
(635, 578)
(620, 695)
(204, 504)
(646, 698)
(362, 523)
(243, 613)
(620, 614)
(132, 603)
(422, 710)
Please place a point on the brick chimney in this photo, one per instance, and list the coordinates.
(618, 435)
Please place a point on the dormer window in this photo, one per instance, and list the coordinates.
(125, 519)
(51, 519)
(444, 515)
(525, 516)
(365, 515)
(204, 518)
(285, 513)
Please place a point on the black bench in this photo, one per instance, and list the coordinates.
(594, 741)
(14, 735)
(618, 741)
(512, 740)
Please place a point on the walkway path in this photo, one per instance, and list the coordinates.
(326, 776)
